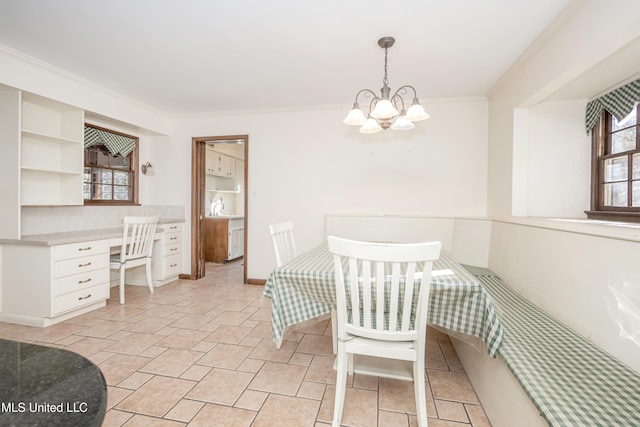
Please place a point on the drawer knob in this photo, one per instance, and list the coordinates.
(174, 249)
(84, 281)
(172, 238)
(173, 265)
(81, 298)
(88, 248)
(84, 265)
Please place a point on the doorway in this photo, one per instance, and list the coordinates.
(198, 196)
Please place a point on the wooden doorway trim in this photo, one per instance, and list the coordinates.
(198, 174)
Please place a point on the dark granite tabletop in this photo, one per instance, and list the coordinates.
(49, 387)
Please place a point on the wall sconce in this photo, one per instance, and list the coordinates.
(147, 169)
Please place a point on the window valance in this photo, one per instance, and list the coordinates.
(116, 144)
(619, 102)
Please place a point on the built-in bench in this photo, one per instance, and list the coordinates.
(570, 381)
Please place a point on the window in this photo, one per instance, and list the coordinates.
(110, 165)
(615, 192)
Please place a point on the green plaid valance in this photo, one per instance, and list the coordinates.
(116, 144)
(619, 102)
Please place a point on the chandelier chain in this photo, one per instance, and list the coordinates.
(385, 81)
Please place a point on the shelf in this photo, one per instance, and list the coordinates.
(49, 138)
(50, 171)
(220, 176)
(224, 191)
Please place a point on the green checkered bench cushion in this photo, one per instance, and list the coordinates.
(570, 380)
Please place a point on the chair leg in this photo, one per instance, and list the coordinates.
(341, 385)
(334, 331)
(121, 284)
(149, 280)
(420, 391)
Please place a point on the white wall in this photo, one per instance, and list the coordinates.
(574, 276)
(305, 164)
(564, 272)
(558, 163)
(574, 45)
(467, 239)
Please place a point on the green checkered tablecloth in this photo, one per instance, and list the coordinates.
(569, 380)
(305, 288)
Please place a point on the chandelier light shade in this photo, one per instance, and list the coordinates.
(386, 111)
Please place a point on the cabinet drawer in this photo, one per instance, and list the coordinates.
(80, 281)
(77, 299)
(171, 249)
(236, 223)
(80, 265)
(171, 238)
(74, 250)
(171, 266)
(172, 228)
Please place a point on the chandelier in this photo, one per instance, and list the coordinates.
(383, 109)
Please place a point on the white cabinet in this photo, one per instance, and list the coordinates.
(235, 247)
(166, 264)
(227, 166)
(210, 161)
(219, 164)
(43, 285)
(42, 161)
(240, 175)
(166, 259)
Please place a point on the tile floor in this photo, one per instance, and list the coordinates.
(199, 353)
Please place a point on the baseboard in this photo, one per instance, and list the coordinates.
(43, 322)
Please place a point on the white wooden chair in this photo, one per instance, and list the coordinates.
(136, 249)
(382, 294)
(283, 242)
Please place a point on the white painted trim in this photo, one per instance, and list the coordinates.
(614, 230)
(43, 322)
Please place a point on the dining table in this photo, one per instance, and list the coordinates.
(304, 288)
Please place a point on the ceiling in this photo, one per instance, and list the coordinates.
(205, 56)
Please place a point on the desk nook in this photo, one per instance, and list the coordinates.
(49, 278)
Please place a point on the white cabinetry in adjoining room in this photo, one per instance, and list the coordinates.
(236, 238)
(42, 159)
(220, 164)
(224, 182)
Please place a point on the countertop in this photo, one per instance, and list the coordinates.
(64, 237)
(45, 386)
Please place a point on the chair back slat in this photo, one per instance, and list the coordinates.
(137, 241)
(353, 283)
(408, 292)
(386, 288)
(367, 307)
(380, 297)
(284, 243)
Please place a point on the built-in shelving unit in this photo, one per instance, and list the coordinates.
(46, 137)
(51, 152)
